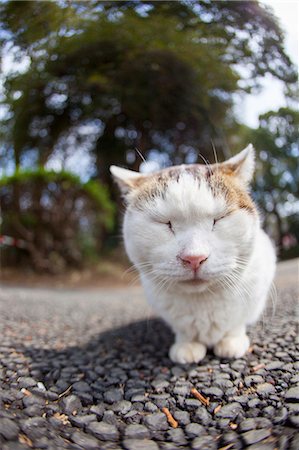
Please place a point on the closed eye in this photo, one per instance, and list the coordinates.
(218, 218)
(169, 225)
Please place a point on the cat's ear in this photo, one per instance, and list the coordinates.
(242, 165)
(126, 179)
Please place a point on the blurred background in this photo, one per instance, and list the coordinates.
(85, 84)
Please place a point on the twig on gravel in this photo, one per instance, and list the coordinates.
(26, 392)
(226, 447)
(204, 400)
(258, 367)
(65, 392)
(217, 409)
(23, 439)
(171, 420)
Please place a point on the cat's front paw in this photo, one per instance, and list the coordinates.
(187, 352)
(232, 346)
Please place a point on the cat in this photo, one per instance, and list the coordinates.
(194, 234)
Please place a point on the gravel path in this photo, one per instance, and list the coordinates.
(89, 370)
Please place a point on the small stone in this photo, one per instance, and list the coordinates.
(144, 444)
(182, 389)
(194, 430)
(229, 411)
(122, 407)
(156, 421)
(253, 436)
(137, 432)
(109, 417)
(160, 385)
(254, 402)
(113, 395)
(103, 431)
(204, 442)
(98, 410)
(8, 429)
(247, 424)
(41, 386)
(183, 417)
(71, 403)
(85, 441)
(150, 407)
(26, 382)
(32, 400)
(202, 415)
(294, 420)
(223, 383)
(192, 402)
(253, 379)
(265, 389)
(292, 394)
(281, 415)
(177, 436)
(213, 392)
(81, 386)
(275, 365)
(82, 421)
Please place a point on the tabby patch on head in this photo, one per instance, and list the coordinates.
(192, 231)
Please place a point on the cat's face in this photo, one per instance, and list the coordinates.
(190, 225)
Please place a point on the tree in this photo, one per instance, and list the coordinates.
(152, 75)
(59, 218)
(277, 179)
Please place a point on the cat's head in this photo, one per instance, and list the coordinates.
(190, 225)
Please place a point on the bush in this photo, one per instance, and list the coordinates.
(61, 219)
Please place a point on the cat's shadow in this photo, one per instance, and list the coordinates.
(137, 351)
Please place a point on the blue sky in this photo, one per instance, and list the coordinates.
(271, 97)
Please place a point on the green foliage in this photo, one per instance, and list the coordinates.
(158, 75)
(277, 178)
(56, 214)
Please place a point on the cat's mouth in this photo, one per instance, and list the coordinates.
(194, 281)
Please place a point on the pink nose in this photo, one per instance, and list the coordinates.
(194, 261)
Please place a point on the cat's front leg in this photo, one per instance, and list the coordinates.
(234, 344)
(184, 351)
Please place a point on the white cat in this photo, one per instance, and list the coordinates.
(193, 233)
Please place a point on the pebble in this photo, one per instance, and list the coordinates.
(103, 431)
(82, 421)
(265, 389)
(27, 382)
(8, 429)
(292, 394)
(177, 435)
(135, 444)
(113, 395)
(85, 441)
(194, 430)
(156, 421)
(183, 417)
(213, 392)
(253, 379)
(204, 442)
(229, 411)
(122, 407)
(98, 410)
(253, 436)
(71, 404)
(81, 386)
(137, 432)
